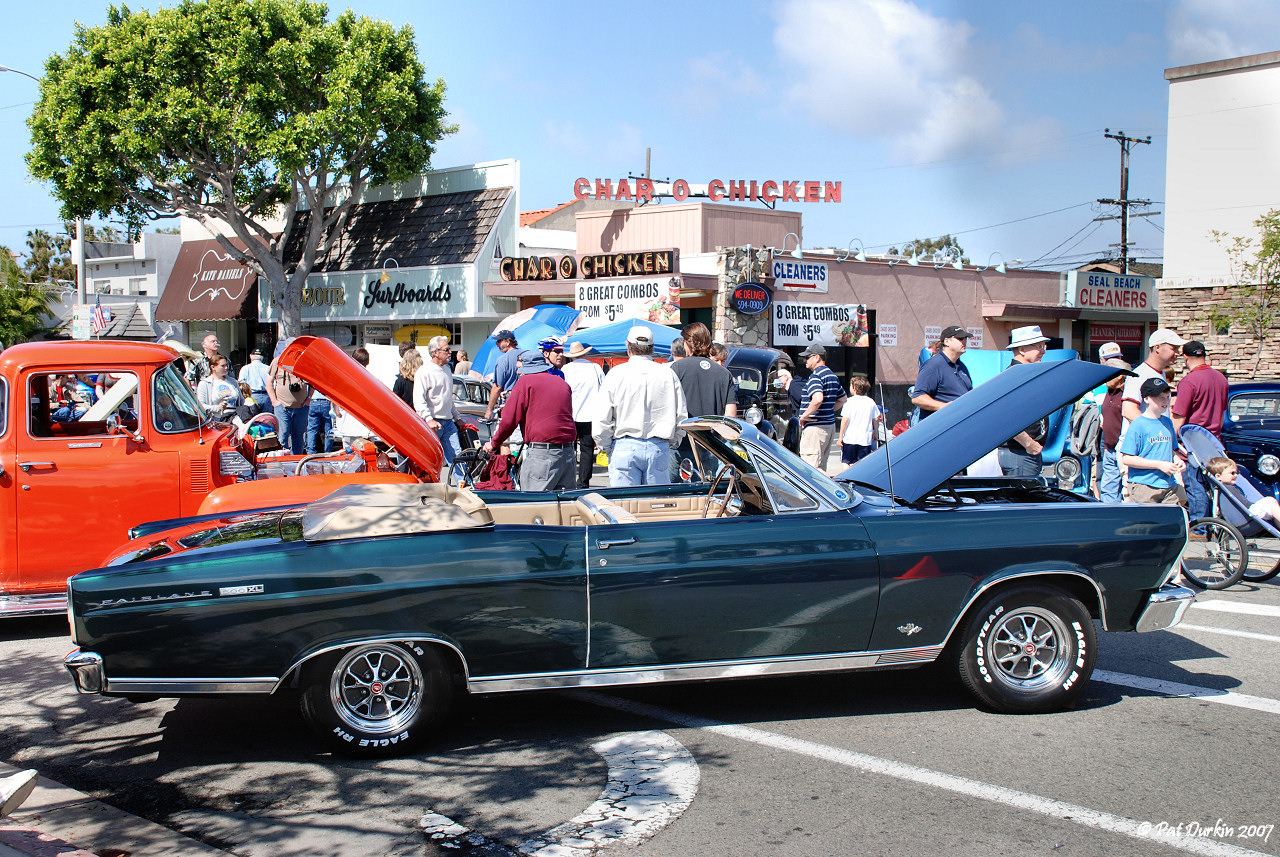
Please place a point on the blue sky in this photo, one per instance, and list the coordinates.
(984, 120)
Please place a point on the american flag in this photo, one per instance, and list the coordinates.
(99, 321)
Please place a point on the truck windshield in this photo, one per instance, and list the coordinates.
(173, 406)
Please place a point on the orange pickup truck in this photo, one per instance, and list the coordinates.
(75, 475)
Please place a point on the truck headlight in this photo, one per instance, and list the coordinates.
(1268, 465)
(754, 415)
(1067, 470)
(232, 463)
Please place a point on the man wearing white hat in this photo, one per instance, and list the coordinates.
(1163, 347)
(641, 408)
(1021, 454)
(584, 378)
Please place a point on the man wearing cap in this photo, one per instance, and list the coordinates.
(1020, 455)
(1147, 449)
(504, 371)
(1201, 401)
(255, 373)
(584, 378)
(823, 396)
(1109, 351)
(638, 419)
(943, 378)
(1163, 347)
(541, 405)
(433, 397)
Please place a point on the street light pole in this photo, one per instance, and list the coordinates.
(16, 71)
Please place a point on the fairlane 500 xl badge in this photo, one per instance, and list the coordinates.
(251, 589)
(147, 599)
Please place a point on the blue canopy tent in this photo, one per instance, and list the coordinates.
(545, 320)
(611, 339)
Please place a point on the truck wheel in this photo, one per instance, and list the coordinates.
(1027, 649)
(377, 699)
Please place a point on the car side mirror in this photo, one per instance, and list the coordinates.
(686, 470)
(114, 427)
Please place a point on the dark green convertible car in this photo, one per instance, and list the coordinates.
(378, 603)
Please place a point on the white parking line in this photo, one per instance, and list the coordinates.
(1057, 809)
(1225, 606)
(1191, 691)
(652, 781)
(1230, 632)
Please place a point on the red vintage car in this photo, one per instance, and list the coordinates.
(75, 477)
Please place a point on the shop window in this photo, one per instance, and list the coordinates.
(77, 403)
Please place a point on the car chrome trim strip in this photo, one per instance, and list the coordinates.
(702, 671)
(31, 605)
(1165, 608)
(185, 686)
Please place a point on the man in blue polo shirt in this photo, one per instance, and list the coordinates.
(823, 396)
(943, 378)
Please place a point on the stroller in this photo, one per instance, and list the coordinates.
(1235, 544)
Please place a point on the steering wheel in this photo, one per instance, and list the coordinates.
(732, 474)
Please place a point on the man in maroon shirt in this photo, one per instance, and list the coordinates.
(541, 404)
(1201, 401)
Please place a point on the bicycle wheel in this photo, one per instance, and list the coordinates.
(1264, 559)
(1216, 555)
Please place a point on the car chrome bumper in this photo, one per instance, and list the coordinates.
(1165, 608)
(86, 671)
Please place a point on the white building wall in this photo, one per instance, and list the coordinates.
(1223, 171)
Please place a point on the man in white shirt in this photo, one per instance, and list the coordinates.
(255, 373)
(585, 379)
(433, 397)
(1163, 345)
(640, 410)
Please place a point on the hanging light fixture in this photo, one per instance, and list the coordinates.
(860, 256)
(794, 254)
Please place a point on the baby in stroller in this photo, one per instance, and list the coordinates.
(1227, 473)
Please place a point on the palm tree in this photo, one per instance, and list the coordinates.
(24, 306)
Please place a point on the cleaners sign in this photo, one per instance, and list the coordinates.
(1120, 292)
(799, 275)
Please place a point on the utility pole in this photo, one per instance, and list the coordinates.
(1126, 144)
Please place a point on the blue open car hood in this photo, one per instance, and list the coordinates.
(949, 440)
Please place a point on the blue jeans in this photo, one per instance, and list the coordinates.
(293, 428)
(634, 461)
(452, 444)
(1109, 483)
(1197, 497)
(1019, 463)
(319, 424)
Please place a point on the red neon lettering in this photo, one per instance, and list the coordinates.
(581, 188)
(831, 192)
(680, 190)
(604, 189)
(737, 190)
(715, 190)
(789, 191)
(624, 190)
(811, 192)
(644, 190)
(769, 191)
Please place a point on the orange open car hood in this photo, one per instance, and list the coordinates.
(323, 364)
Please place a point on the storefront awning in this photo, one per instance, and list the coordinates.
(208, 284)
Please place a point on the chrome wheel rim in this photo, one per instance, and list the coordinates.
(376, 689)
(1030, 648)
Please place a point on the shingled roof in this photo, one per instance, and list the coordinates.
(444, 229)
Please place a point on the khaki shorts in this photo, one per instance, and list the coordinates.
(1175, 496)
(815, 444)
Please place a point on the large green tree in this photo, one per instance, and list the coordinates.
(48, 257)
(239, 111)
(24, 306)
(1253, 302)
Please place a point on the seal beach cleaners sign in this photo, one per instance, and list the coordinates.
(799, 275)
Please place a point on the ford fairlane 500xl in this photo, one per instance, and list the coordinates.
(378, 603)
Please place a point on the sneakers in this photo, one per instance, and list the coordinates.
(15, 789)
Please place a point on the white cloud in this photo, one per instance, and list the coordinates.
(1207, 30)
(887, 69)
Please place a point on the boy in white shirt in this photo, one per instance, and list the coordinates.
(860, 421)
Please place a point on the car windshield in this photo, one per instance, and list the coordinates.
(747, 379)
(173, 405)
(774, 459)
(1254, 406)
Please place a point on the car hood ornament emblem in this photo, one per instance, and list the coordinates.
(909, 628)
